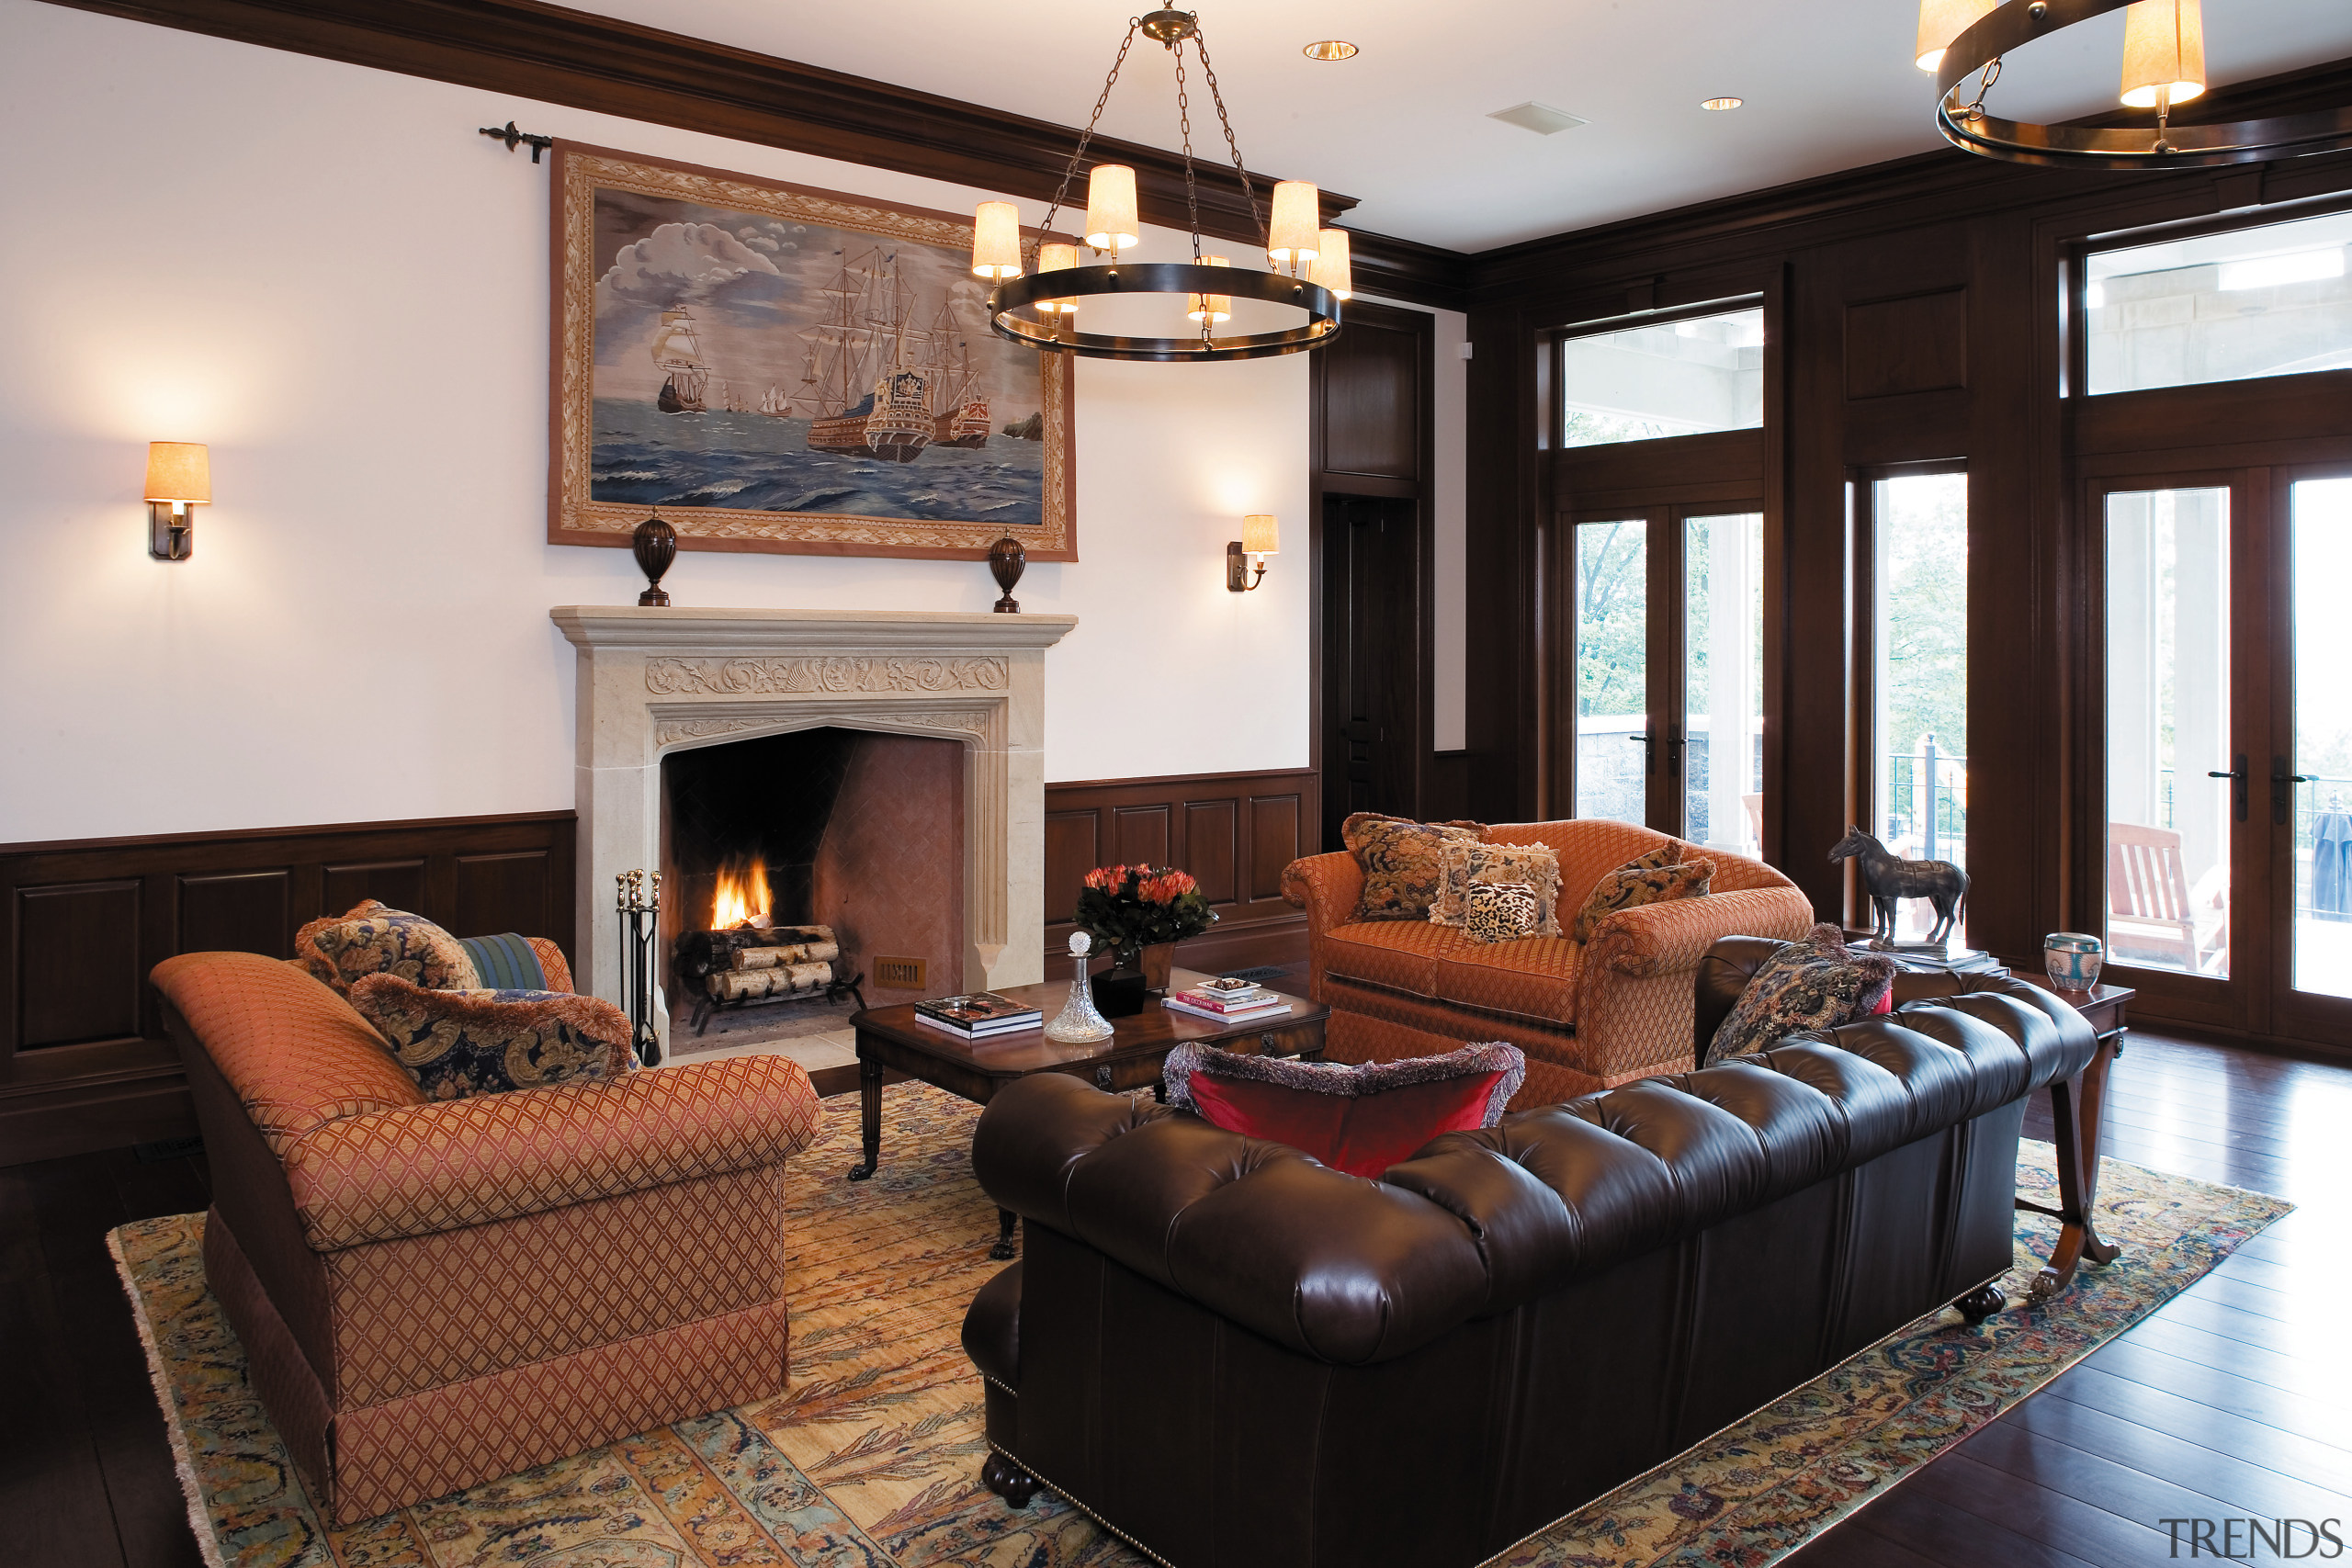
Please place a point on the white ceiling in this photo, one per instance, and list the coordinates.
(1828, 85)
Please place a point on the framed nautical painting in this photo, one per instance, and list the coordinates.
(790, 370)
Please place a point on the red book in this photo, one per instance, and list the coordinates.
(1220, 1001)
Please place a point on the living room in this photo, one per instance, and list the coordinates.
(1639, 526)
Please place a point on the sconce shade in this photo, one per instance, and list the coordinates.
(1940, 21)
(1210, 307)
(996, 240)
(2163, 51)
(1331, 268)
(1056, 256)
(1111, 221)
(1298, 216)
(179, 470)
(1260, 535)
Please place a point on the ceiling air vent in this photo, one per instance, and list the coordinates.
(1541, 119)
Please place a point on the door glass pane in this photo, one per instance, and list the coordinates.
(2168, 730)
(1919, 684)
(1612, 667)
(2322, 801)
(1723, 727)
(1678, 379)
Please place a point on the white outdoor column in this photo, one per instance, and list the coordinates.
(2134, 683)
(655, 680)
(1730, 678)
(2200, 666)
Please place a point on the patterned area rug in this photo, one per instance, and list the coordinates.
(873, 1458)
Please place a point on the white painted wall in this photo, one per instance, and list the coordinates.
(323, 272)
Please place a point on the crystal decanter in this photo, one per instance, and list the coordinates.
(1078, 1020)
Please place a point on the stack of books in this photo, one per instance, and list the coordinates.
(1228, 1001)
(979, 1016)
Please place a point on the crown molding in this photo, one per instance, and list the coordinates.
(575, 57)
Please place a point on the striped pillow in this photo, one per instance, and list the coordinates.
(506, 963)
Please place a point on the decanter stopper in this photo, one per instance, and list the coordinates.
(1078, 1020)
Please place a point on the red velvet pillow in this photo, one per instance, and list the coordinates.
(1360, 1119)
(1885, 1005)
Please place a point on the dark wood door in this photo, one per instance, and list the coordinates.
(1372, 665)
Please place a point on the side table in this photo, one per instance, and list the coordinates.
(2078, 1111)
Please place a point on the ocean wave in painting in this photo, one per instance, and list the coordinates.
(752, 462)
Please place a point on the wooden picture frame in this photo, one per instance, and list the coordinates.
(787, 370)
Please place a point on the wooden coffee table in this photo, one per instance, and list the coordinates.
(889, 1039)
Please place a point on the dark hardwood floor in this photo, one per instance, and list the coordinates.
(2233, 1400)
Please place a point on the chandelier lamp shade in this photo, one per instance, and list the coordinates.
(1036, 288)
(2162, 67)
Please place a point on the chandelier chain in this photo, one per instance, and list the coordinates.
(1985, 85)
(1078, 153)
(1185, 123)
(1239, 168)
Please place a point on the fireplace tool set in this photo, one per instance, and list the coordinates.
(637, 899)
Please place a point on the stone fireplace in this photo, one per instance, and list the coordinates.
(656, 682)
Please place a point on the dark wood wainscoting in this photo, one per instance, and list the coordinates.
(1233, 831)
(83, 1060)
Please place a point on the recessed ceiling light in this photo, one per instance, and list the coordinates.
(1541, 119)
(1329, 48)
(1719, 105)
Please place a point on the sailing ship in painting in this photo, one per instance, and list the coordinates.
(874, 383)
(677, 354)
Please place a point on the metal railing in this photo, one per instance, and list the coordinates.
(1927, 800)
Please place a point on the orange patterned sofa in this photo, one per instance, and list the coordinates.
(434, 1295)
(1588, 1015)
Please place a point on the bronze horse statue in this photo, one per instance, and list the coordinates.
(1888, 877)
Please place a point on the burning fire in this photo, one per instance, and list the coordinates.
(742, 896)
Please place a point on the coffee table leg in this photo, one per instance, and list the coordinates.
(1003, 1250)
(2078, 1108)
(869, 1107)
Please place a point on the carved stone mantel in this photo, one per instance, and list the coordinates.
(652, 680)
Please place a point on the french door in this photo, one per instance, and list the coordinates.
(2225, 777)
(1656, 686)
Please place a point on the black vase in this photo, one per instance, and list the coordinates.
(1121, 993)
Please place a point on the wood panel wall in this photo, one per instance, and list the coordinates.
(83, 1060)
(1234, 832)
(1919, 322)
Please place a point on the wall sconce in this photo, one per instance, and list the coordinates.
(179, 476)
(1260, 538)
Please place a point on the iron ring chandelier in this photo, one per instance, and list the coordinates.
(1982, 46)
(1309, 265)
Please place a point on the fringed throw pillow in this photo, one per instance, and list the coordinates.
(1400, 860)
(456, 1043)
(1361, 1119)
(1462, 863)
(1654, 878)
(1818, 983)
(375, 938)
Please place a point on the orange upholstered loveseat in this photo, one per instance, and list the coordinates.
(434, 1295)
(1588, 1015)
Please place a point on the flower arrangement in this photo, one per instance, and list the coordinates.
(1126, 909)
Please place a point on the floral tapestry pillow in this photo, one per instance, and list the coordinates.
(1502, 911)
(1400, 862)
(456, 1043)
(373, 939)
(1462, 864)
(1640, 882)
(1818, 983)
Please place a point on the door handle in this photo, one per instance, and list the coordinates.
(1649, 751)
(2282, 791)
(2237, 785)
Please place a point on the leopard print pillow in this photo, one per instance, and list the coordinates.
(1501, 911)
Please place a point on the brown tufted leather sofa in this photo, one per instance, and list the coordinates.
(1233, 1356)
(1588, 1014)
(434, 1294)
